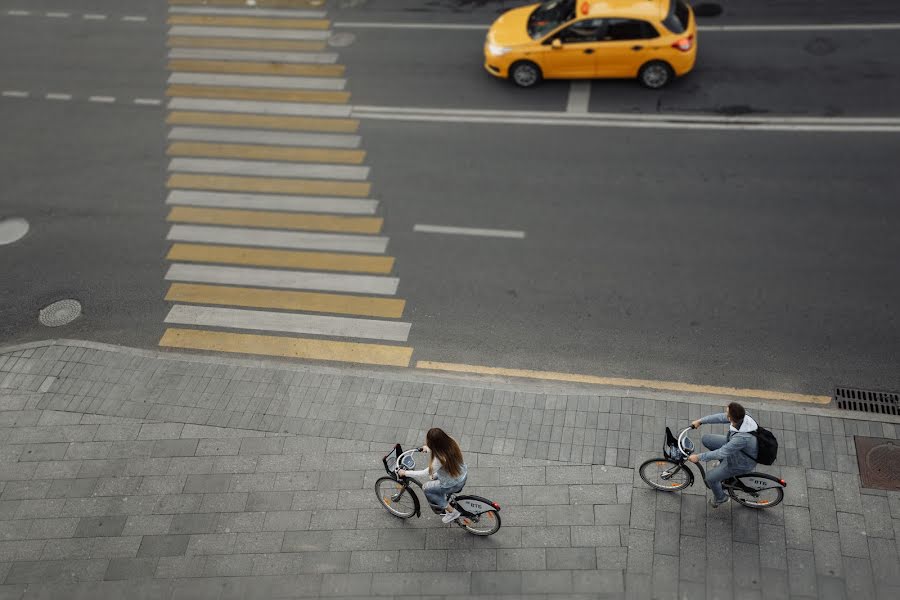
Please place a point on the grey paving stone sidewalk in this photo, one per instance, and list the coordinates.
(147, 475)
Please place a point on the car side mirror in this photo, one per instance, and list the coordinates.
(556, 44)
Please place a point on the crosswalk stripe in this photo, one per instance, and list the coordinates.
(244, 21)
(282, 322)
(287, 347)
(282, 259)
(261, 136)
(269, 185)
(308, 83)
(262, 121)
(342, 304)
(259, 168)
(274, 220)
(259, 12)
(261, 68)
(249, 32)
(273, 202)
(243, 93)
(268, 108)
(176, 41)
(278, 153)
(292, 280)
(268, 238)
(322, 58)
(259, 3)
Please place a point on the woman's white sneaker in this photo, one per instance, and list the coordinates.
(450, 517)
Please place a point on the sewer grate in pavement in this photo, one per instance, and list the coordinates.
(883, 403)
(879, 462)
(60, 313)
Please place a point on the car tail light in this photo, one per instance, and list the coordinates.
(684, 44)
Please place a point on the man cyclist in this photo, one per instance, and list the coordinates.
(736, 451)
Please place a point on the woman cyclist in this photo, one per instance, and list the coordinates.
(446, 470)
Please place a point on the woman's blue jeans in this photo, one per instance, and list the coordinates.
(437, 492)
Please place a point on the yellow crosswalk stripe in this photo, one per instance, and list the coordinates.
(253, 152)
(259, 3)
(249, 22)
(261, 68)
(270, 185)
(274, 220)
(263, 121)
(289, 347)
(247, 297)
(239, 93)
(285, 259)
(179, 41)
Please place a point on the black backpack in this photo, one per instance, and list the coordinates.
(766, 446)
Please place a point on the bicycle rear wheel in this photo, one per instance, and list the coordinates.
(487, 523)
(766, 491)
(395, 497)
(665, 474)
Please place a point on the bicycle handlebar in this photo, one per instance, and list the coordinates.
(681, 440)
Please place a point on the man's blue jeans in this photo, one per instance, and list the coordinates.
(723, 471)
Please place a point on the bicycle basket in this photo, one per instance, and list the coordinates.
(390, 459)
(671, 448)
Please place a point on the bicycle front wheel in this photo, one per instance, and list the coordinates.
(665, 474)
(765, 491)
(395, 497)
(487, 523)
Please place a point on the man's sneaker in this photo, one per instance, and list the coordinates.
(450, 517)
(714, 504)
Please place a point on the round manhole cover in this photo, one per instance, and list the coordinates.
(341, 40)
(60, 313)
(12, 230)
(883, 461)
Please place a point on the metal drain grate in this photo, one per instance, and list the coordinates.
(882, 403)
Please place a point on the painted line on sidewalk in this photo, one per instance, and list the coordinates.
(703, 28)
(269, 185)
(244, 21)
(274, 220)
(579, 97)
(474, 231)
(279, 123)
(287, 347)
(273, 202)
(261, 94)
(281, 259)
(260, 320)
(267, 108)
(259, 12)
(263, 81)
(258, 168)
(267, 238)
(247, 32)
(291, 280)
(270, 153)
(263, 137)
(669, 386)
(365, 306)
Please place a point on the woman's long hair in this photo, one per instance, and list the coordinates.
(445, 449)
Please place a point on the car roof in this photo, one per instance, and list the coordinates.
(648, 9)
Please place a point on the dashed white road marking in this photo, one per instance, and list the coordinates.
(263, 320)
(93, 17)
(476, 231)
(350, 206)
(283, 279)
(299, 109)
(18, 13)
(271, 238)
(58, 15)
(270, 81)
(103, 99)
(254, 55)
(57, 96)
(134, 18)
(249, 32)
(14, 94)
(263, 168)
(265, 137)
(579, 97)
(253, 12)
(148, 101)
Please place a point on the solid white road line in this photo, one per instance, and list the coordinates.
(702, 28)
(266, 81)
(235, 318)
(56, 96)
(249, 32)
(376, 25)
(300, 109)
(276, 278)
(348, 206)
(263, 168)
(321, 58)
(500, 233)
(103, 99)
(266, 137)
(252, 12)
(579, 97)
(270, 238)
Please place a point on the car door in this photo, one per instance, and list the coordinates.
(625, 45)
(569, 53)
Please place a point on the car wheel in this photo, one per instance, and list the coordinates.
(525, 74)
(655, 74)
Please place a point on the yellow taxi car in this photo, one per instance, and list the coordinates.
(652, 40)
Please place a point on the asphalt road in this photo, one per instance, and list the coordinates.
(752, 259)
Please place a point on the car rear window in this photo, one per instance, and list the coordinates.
(679, 17)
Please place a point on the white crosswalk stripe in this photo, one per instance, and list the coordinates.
(274, 278)
(249, 32)
(349, 206)
(271, 238)
(250, 12)
(265, 137)
(262, 168)
(298, 109)
(264, 81)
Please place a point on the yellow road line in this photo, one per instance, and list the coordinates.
(178, 41)
(290, 347)
(670, 386)
(249, 22)
(259, 3)
(285, 259)
(253, 152)
(239, 93)
(364, 306)
(274, 220)
(269, 185)
(261, 68)
(263, 121)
